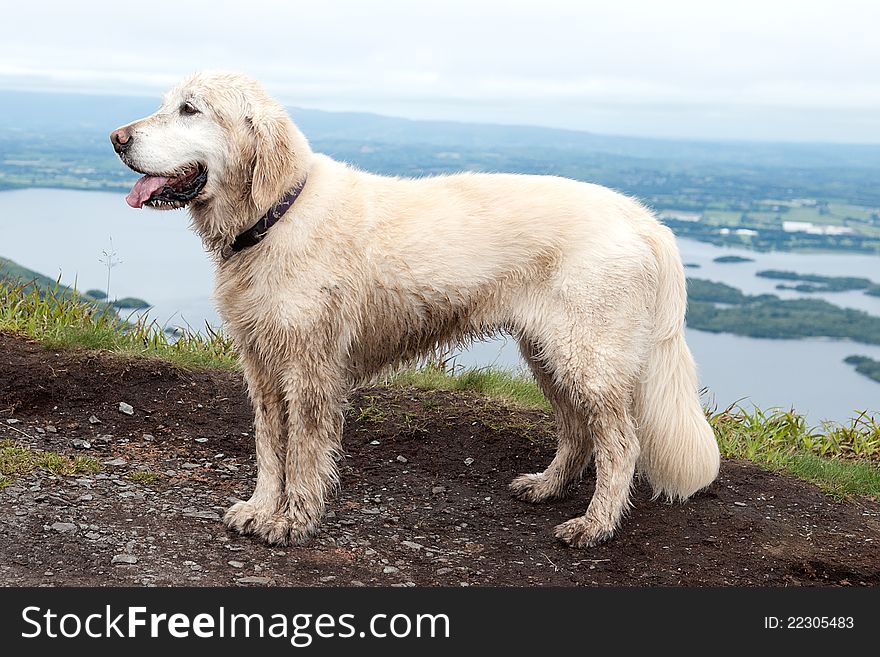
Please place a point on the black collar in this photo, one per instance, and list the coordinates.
(258, 231)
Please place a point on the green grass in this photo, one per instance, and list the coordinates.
(497, 384)
(841, 459)
(64, 320)
(17, 460)
(142, 477)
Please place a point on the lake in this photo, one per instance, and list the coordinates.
(63, 232)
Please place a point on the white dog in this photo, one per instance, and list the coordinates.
(327, 275)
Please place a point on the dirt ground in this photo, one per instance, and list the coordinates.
(423, 502)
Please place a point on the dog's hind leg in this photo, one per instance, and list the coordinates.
(617, 450)
(268, 498)
(596, 360)
(574, 448)
(600, 382)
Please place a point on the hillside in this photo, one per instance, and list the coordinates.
(126, 500)
(747, 194)
(12, 271)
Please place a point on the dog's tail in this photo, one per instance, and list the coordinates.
(679, 454)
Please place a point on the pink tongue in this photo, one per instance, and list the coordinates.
(143, 189)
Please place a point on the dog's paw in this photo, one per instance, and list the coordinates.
(533, 488)
(582, 532)
(243, 517)
(274, 528)
(283, 530)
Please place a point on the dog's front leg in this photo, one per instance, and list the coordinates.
(264, 511)
(313, 396)
(298, 411)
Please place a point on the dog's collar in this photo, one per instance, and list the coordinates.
(255, 234)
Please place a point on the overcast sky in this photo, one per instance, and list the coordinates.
(750, 69)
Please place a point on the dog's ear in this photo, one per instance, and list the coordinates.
(274, 160)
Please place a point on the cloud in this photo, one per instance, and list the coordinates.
(556, 58)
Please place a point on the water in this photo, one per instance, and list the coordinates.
(742, 275)
(807, 375)
(64, 232)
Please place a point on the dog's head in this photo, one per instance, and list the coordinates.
(217, 138)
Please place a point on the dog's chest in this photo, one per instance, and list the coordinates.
(265, 302)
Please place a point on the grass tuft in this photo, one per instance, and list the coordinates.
(17, 460)
(142, 477)
(840, 459)
(495, 383)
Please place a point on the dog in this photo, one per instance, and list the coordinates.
(327, 275)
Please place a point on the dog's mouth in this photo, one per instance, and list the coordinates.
(168, 192)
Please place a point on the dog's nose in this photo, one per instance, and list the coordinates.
(121, 139)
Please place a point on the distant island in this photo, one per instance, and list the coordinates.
(819, 283)
(768, 316)
(732, 259)
(866, 366)
(130, 303)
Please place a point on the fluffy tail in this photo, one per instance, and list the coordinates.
(679, 454)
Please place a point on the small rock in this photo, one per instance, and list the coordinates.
(12, 420)
(125, 559)
(370, 512)
(327, 578)
(412, 544)
(739, 504)
(51, 428)
(128, 409)
(204, 515)
(84, 498)
(390, 569)
(63, 527)
(201, 440)
(438, 489)
(374, 442)
(444, 571)
(468, 460)
(356, 582)
(116, 462)
(93, 419)
(402, 459)
(190, 466)
(253, 580)
(93, 536)
(79, 443)
(236, 564)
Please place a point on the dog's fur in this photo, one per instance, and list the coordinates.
(365, 272)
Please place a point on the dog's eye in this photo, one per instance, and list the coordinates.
(189, 109)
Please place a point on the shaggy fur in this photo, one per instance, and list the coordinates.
(366, 272)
